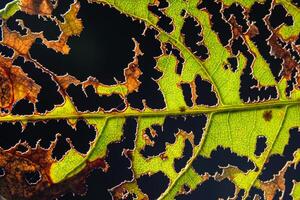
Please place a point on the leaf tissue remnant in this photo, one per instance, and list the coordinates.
(158, 99)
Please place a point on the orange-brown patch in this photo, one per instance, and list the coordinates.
(37, 7)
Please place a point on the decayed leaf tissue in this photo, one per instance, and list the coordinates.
(199, 99)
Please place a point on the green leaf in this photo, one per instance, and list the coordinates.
(232, 123)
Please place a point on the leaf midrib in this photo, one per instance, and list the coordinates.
(155, 113)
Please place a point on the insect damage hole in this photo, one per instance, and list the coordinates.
(260, 145)
(32, 178)
(2, 172)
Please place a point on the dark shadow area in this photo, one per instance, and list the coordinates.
(255, 193)
(298, 40)
(257, 13)
(250, 90)
(238, 12)
(2, 172)
(23, 107)
(291, 83)
(14, 25)
(61, 8)
(232, 64)
(240, 194)
(32, 178)
(291, 175)
(6, 51)
(4, 2)
(296, 3)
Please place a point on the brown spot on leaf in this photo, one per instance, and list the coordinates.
(182, 109)
(267, 115)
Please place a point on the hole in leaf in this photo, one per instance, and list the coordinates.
(153, 185)
(191, 31)
(255, 193)
(106, 34)
(2, 172)
(205, 95)
(49, 95)
(180, 60)
(4, 2)
(260, 145)
(238, 12)
(180, 163)
(164, 22)
(211, 189)
(279, 16)
(32, 178)
(187, 93)
(37, 24)
(23, 107)
(219, 25)
(219, 159)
